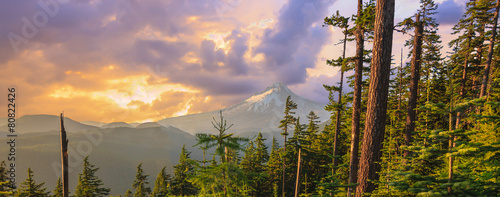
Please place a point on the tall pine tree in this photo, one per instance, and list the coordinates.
(140, 184)
(30, 188)
(180, 184)
(88, 183)
(162, 184)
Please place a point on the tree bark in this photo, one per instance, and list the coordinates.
(356, 103)
(486, 74)
(377, 96)
(64, 158)
(414, 79)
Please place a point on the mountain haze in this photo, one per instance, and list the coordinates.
(41, 123)
(259, 113)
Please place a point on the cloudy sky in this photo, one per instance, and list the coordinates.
(145, 60)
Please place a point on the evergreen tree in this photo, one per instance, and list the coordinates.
(185, 168)
(341, 22)
(88, 183)
(128, 193)
(140, 183)
(364, 21)
(162, 184)
(377, 99)
(250, 165)
(58, 190)
(486, 75)
(274, 168)
(285, 123)
(227, 147)
(5, 186)
(261, 158)
(30, 188)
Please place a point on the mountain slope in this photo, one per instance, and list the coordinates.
(259, 113)
(42, 123)
(117, 154)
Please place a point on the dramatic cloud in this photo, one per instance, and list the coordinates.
(134, 60)
(450, 12)
(292, 45)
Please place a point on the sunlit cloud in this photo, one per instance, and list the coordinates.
(219, 40)
(127, 61)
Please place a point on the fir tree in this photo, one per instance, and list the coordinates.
(58, 190)
(128, 193)
(140, 183)
(162, 184)
(88, 183)
(364, 22)
(285, 123)
(343, 23)
(274, 168)
(30, 188)
(180, 184)
(5, 186)
(377, 99)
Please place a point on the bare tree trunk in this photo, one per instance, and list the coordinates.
(337, 118)
(377, 96)
(451, 139)
(64, 158)
(462, 84)
(356, 103)
(284, 164)
(297, 181)
(451, 144)
(400, 85)
(415, 78)
(486, 74)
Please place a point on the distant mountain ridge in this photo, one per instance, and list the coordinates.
(42, 123)
(259, 113)
(124, 145)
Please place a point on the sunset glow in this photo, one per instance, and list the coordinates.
(131, 62)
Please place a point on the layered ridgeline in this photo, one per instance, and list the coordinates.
(118, 147)
(116, 150)
(259, 113)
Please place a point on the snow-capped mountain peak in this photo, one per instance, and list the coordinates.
(260, 112)
(272, 96)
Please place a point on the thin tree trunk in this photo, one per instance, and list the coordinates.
(486, 74)
(415, 78)
(64, 158)
(356, 103)
(451, 144)
(204, 153)
(297, 181)
(377, 96)
(451, 139)
(400, 85)
(337, 118)
(226, 173)
(284, 164)
(462, 83)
